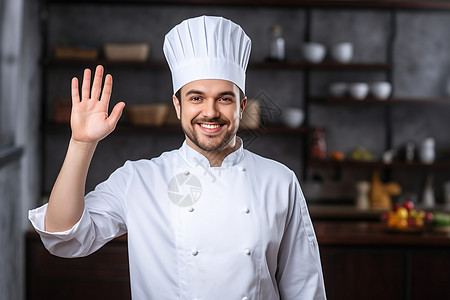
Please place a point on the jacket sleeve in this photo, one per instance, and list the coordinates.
(299, 273)
(104, 218)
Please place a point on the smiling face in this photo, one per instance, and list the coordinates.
(210, 112)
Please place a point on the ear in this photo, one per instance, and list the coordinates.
(176, 104)
(243, 104)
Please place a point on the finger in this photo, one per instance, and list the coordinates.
(115, 114)
(97, 84)
(86, 86)
(107, 89)
(74, 91)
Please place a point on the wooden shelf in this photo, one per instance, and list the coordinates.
(349, 100)
(63, 63)
(369, 4)
(377, 165)
(175, 129)
(55, 63)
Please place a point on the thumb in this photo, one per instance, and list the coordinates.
(115, 114)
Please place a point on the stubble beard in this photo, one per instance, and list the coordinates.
(193, 136)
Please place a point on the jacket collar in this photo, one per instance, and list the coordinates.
(195, 158)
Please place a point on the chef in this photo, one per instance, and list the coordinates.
(209, 220)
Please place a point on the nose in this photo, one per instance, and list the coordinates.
(210, 110)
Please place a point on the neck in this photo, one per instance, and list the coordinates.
(216, 157)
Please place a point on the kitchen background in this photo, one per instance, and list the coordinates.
(408, 47)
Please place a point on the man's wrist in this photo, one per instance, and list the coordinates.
(83, 146)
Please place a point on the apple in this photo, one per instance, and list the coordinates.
(409, 205)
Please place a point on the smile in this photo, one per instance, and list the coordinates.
(210, 126)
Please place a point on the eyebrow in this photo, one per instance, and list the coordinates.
(197, 92)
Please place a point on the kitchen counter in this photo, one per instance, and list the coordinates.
(361, 260)
(374, 233)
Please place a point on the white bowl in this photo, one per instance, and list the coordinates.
(314, 52)
(338, 89)
(359, 90)
(342, 52)
(381, 90)
(293, 117)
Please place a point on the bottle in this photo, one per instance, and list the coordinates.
(318, 144)
(277, 51)
(428, 199)
(427, 153)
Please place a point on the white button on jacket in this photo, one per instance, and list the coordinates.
(176, 253)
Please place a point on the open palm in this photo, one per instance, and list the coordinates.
(89, 120)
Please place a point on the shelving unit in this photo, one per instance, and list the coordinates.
(303, 134)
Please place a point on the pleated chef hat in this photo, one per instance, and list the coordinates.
(207, 48)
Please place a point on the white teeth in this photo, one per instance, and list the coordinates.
(210, 126)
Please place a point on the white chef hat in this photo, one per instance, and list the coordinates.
(207, 48)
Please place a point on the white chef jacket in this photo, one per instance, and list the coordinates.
(239, 231)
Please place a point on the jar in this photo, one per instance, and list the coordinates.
(277, 51)
(427, 152)
(318, 144)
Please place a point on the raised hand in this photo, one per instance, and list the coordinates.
(89, 120)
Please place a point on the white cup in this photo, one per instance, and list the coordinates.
(338, 89)
(342, 52)
(381, 90)
(314, 52)
(359, 90)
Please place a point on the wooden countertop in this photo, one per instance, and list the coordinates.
(348, 233)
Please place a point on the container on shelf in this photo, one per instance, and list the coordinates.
(277, 44)
(147, 114)
(127, 51)
(75, 53)
(318, 144)
(251, 117)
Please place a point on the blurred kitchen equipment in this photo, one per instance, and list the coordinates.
(251, 117)
(318, 144)
(380, 193)
(447, 192)
(428, 192)
(338, 89)
(127, 51)
(427, 152)
(381, 90)
(410, 152)
(293, 117)
(359, 90)
(314, 52)
(277, 51)
(388, 156)
(342, 52)
(362, 195)
(75, 52)
(147, 114)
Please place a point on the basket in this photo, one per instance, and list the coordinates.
(77, 53)
(127, 52)
(147, 114)
(251, 118)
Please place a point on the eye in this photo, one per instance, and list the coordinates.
(226, 99)
(196, 98)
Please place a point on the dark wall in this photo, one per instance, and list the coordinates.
(420, 70)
